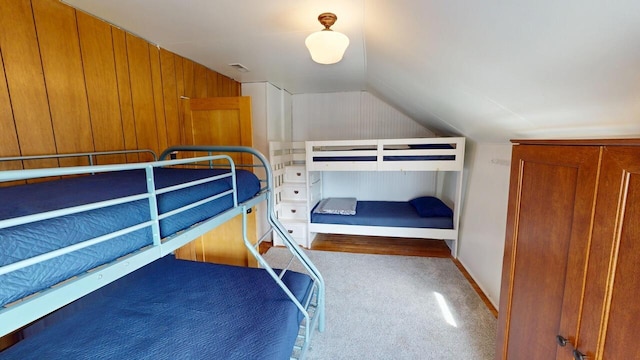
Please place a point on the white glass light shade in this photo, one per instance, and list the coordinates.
(327, 46)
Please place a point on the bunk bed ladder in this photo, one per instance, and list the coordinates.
(313, 309)
(314, 305)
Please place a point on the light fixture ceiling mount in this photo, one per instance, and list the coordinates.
(327, 46)
(327, 20)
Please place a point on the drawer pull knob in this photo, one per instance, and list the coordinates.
(579, 356)
(298, 174)
(562, 341)
(293, 211)
(296, 192)
(290, 231)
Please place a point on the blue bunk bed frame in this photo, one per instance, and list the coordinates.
(20, 313)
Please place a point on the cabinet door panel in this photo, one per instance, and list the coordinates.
(551, 193)
(610, 328)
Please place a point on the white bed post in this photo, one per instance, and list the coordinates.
(458, 205)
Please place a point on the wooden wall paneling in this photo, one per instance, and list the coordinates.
(96, 45)
(200, 80)
(190, 250)
(72, 82)
(234, 88)
(25, 82)
(170, 95)
(222, 86)
(180, 93)
(187, 67)
(57, 34)
(178, 62)
(142, 93)
(227, 86)
(124, 92)
(158, 97)
(8, 136)
(223, 244)
(212, 84)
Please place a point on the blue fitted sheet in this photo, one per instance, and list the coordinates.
(176, 309)
(25, 241)
(385, 213)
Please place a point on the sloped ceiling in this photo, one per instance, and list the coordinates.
(490, 70)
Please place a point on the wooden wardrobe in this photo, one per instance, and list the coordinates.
(571, 271)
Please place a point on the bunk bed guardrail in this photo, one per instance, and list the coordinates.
(17, 314)
(438, 154)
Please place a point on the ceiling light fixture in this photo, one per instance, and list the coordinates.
(327, 46)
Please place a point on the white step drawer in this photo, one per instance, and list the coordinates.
(296, 192)
(297, 230)
(295, 174)
(293, 211)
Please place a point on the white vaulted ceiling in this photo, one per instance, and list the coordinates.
(490, 70)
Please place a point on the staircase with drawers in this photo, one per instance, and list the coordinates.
(296, 191)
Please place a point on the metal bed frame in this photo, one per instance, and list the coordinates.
(20, 313)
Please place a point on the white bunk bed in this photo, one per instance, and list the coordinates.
(415, 154)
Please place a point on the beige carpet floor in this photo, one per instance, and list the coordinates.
(397, 307)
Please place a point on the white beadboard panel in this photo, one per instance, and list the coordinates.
(348, 116)
(381, 121)
(287, 123)
(383, 185)
(360, 115)
(274, 113)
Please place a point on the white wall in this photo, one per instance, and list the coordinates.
(366, 185)
(350, 116)
(484, 215)
(270, 114)
(271, 121)
(353, 116)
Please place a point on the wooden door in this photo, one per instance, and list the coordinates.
(611, 321)
(548, 227)
(220, 121)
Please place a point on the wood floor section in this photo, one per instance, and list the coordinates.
(393, 246)
(381, 245)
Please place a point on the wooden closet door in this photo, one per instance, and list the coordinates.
(611, 321)
(547, 238)
(221, 121)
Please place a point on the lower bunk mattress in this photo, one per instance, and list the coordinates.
(175, 309)
(385, 213)
(28, 240)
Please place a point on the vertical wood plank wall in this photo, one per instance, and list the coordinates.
(70, 82)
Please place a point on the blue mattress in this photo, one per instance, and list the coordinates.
(25, 241)
(176, 309)
(385, 213)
